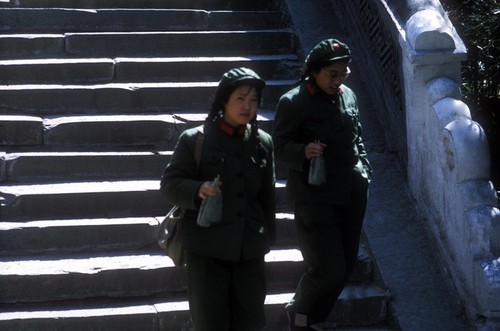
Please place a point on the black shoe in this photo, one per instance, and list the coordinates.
(292, 326)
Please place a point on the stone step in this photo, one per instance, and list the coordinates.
(152, 44)
(269, 67)
(55, 166)
(157, 129)
(107, 70)
(208, 43)
(19, 130)
(157, 4)
(358, 305)
(146, 144)
(62, 20)
(78, 235)
(60, 71)
(35, 167)
(98, 234)
(102, 199)
(114, 234)
(87, 276)
(130, 130)
(126, 274)
(121, 98)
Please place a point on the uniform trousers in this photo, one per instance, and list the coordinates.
(226, 296)
(328, 237)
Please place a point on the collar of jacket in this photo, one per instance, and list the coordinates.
(313, 89)
(238, 131)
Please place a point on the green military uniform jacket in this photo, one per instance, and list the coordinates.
(247, 229)
(305, 114)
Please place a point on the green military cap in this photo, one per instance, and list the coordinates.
(328, 50)
(237, 75)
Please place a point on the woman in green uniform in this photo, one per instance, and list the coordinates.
(317, 122)
(225, 257)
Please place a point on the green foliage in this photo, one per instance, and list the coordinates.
(478, 24)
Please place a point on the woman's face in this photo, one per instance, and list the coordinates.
(241, 106)
(330, 78)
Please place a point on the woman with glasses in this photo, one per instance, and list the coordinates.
(317, 135)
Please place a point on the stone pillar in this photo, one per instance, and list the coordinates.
(432, 50)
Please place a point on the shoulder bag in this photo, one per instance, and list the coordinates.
(169, 234)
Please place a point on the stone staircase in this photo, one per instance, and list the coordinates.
(93, 95)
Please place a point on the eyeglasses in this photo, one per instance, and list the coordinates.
(335, 75)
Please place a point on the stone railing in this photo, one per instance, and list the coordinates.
(446, 153)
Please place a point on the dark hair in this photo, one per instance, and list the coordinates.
(311, 67)
(222, 96)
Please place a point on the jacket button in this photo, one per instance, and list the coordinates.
(240, 214)
(240, 194)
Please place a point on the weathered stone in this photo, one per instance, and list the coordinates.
(20, 130)
(89, 200)
(65, 20)
(3, 170)
(467, 150)
(441, 87)
(77, 235)
(113, 129)
(174, 43)
(487, 285)
(57, 71)
(58, 166)
(427, 30)
(28, 46)
(210, 69)
(82, 200)
(123, 98)
(484, 222)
